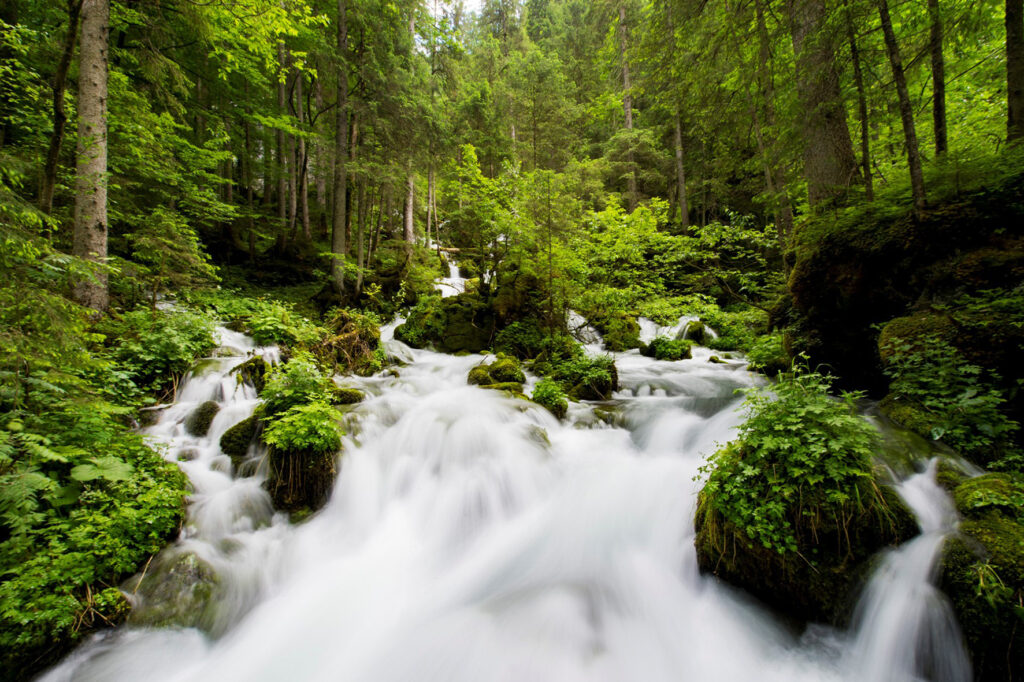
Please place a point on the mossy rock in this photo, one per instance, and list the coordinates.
(695, 331)
(948, 475)
(236, 441)
(198, 422)
(822, 581)
(506, 370)
(346, 396)
(715, 360)
(620, 331)
(176, 591)
(449, 325)
(479, 376)
(253, 372)
(983, 574)
(662, 348)
(300, 480)
(912, 330)
(908, 415)
(508, 386)
(558, 407)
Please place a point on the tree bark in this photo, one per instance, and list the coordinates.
(829, 163)
(360, 231)
(409, 218)
(684, 210)
(1014, 69)
(338, 245)
(938, 78)
(282, 164)
(627, 105)
(90, 231)
(307, 233)
(60, 117)
(906, 109)
(862, 110)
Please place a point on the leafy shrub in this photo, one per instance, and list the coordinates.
(548, 393)
(295, 382)
(663, 348)
(276, 323)
(155, 345)
(801, 457)
(952, 400)
(767, 355)
(312, 427)
(585, 377)
(522, 339)
(350, 342)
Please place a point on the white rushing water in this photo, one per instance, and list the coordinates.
(473, 537)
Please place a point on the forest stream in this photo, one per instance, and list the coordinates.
(473, 536)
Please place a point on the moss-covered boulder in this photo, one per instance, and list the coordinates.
(449, 325)
(342, 395)
(620, 331)
(175, 592)
(253, 372)
(983, 574)
(198, 422)
(821, 582)
(512, 387)
(586, 378)
(236, 441)
(504, 371)
(351, 344)
(695, 331)
(663, 348)
(304, 445)
(549, 394)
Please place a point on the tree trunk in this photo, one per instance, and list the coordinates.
(250, 197)
(938, 78)
(300, 114)
(862, 110)
(684, 210)
(627, 105)
(829, 163)
(409, 222)
(321, 167)
(360, 231)
(338, 245)
(906, 110)
(1015, 69)
(90, 232)
(430, 197)
(60, 117)
(282, 164)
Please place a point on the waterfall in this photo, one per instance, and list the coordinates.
(471, 536)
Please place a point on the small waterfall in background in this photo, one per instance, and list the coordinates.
(471, 536)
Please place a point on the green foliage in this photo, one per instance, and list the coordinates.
(549, 394)
(663, 348)
(154, 345)
(310, 427)
(801, 456)
(523, 339)
(268, 321)
(294, 383)
(957, 402)
(768, 355)
(583, 377)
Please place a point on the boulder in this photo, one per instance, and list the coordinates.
(198, 422)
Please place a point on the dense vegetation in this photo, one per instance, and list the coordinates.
(841, 180)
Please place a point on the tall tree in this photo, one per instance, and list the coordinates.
(627, 102)
(862, 108)
(829, 163)
(906, 107)
(338, 242)
(90, 232)
(60, 117)
(938, 77)
(1015, 69)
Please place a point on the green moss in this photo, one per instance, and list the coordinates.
(908, 333)
(662, 348)
(508, 386)
(620, 331)
(347, 396)
(198, 422)
(505, 370)
(480, 376)
(549, 395)
(456, 323)
(696, 332)
(1002, 493)
(948, 475)
(253, 371)
(236, 441)
(176, 591)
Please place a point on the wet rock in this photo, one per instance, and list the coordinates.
(253, 372)
(983, 574)
(662, 348)
(236, 441)
(479, 376)
(198, 422)
(175, 592)
(695, 331)
(188, 455)
(346, 396)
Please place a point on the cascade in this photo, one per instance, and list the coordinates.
(471, 536)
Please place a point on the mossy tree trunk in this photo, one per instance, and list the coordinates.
(338, 245)
(1015, 69)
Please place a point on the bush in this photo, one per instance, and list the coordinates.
(311, 428)
(296, 382)
(522, 339)
(768, 355)
(935, 391)
(548, 393)
(586, 378)
(801, 457)
(154, 345)
(663, 348)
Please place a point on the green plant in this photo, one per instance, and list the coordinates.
(312, 427)
(293, 383)
(768, 355)
(154, 345)
(663, 348)
(548, 393)
(801, 456)
(954, 402)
